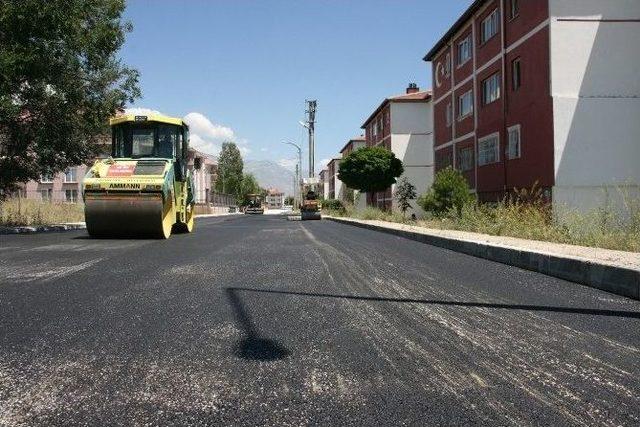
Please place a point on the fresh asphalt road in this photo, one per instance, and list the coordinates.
(256, 320)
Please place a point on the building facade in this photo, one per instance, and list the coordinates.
(57, 188)
(274, 199)
(334, 188)
(530, 92)
(323, 178)
(348, 195)
(404, 125)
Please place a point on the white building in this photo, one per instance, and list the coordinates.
(595, 87)
(274, 199)
(404, 125)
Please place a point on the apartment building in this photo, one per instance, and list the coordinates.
(274, 199)
(60, 187)
(323, 178)
(544, 92)
(359, 200)
(404, 125)
(334, 187)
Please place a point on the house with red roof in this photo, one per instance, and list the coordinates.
(404, 124)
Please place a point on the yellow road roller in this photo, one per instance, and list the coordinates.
(144, 188)
(310, 206)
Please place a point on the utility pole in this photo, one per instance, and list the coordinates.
(296, 188)
(310, 125)
(298, 174)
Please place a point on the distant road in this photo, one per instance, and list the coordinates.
(256, 320)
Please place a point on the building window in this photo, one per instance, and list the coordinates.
(514, 8)
(443, 159)
(513, 149)
(489, 150)
(381, 126)
(46, 195)
(491, 89)
(46, 178)
(516, 78)
(375, 129)
(449, 114)
(71, 175)
(447, 65)
(490, 26)
(465, 105)
(465, 159)
(71, 196)
(464, 50)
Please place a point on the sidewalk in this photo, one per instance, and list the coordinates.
(613, 271)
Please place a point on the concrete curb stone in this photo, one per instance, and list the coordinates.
(618, 280)
(41, 228)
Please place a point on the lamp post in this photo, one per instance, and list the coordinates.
(297, 173)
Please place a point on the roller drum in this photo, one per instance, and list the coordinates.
(120, 215)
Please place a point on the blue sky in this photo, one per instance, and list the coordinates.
(244, 68)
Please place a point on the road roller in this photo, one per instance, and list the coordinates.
(310, 206)
(144, 187)
(255, 205)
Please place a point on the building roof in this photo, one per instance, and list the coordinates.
(360, 138)
(274, 192)
(333, 161)
(207, 159)
(420, 96)
(454, 28)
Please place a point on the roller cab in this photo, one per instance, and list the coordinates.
(144, 188)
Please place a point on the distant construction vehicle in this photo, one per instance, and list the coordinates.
(310, 205)
(144, 188)
(255, 204)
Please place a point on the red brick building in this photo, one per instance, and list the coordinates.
(493, 110)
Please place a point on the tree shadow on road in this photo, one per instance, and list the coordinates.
(253, 346)
(526, 307)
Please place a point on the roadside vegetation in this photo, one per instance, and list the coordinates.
(20, 211)
(524, 214)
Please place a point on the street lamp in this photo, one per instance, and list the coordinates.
(300, 166)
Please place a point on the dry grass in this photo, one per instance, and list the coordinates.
(35, 212)
(600, 229)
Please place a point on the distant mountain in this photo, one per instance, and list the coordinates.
(270, 175)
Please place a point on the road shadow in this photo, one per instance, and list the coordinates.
(253, 346)
(526, 307)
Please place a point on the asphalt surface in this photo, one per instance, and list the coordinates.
(263, 321)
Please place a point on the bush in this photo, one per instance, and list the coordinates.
(333, 205)
(449, 192)
(35, 212)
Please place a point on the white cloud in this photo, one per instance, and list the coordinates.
(208, 137)
(140, 111)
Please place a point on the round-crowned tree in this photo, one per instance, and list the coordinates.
(370, 169)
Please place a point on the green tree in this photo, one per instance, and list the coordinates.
(230, 167)
(248, 186)
(449, 191)
(405, 192)
(370, 169)
(60, 80)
